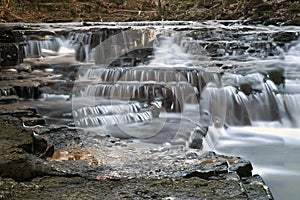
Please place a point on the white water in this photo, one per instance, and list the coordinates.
(273, 151)
(273, 147)
(270, 140)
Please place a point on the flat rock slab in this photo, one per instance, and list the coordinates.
(138, 172)
(113, 168)
(80, 188)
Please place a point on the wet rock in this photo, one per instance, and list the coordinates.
(28, 91)
(8, 99)
(80, 188)
(169, 174)
(8, 95)
(210, 168)
(33, 121)
(246, 88)
(242, 167)
(58, 136)
(16, 144)
(285, 37)
(196, 141)
(11, 54)
(17, 110)
(23, 67)
(276, 74)
(256, 188)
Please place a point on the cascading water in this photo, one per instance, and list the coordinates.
(165, 83)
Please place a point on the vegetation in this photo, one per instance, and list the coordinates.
(264, 11)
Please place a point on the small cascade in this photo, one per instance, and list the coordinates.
(107, 110)
(7, 91)
(96, 121)
(143, 74)
(241, 99)
(171, 83)
(42, 46)
(159, 87)
(8, 94)
(236, 74)
(28, 91)
(292, 106)
(211, 68)
(173, 95)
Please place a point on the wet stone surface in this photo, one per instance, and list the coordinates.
(40, 160)
(75, 171)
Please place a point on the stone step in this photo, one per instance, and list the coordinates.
(8, 99)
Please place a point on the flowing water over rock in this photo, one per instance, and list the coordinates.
(173, 84)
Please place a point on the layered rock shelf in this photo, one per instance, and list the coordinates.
(45, 157)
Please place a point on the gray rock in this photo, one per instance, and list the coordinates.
(16, 149)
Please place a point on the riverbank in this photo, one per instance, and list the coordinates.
(259, 11)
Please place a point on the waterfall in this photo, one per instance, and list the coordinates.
(181, 83)
(236, 74)
(42, 46)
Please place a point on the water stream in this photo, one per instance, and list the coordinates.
(234, 86)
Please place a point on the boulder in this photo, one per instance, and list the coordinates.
(17, 147)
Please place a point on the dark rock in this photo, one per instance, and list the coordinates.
(276, 74)
(58, 136)
(28, 91)
(33, 121)
(10, 54)
(8, 35)
(40, 145)
(16, 143)
(285, 37)
(196, 140)
(242, 167)
(8, 99)
(264, 7)
(80, 188)
(23, 67)
(294, 8)
(17, 111)
(246, 88)
(256, 188)
(11, 47)
(49, 151)
(209, 168)
(201, 174)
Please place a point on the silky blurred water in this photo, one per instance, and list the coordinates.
(273, 151)
(226, 56)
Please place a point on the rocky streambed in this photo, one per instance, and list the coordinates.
(44, 156)
(41, 161)
(32, 169)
